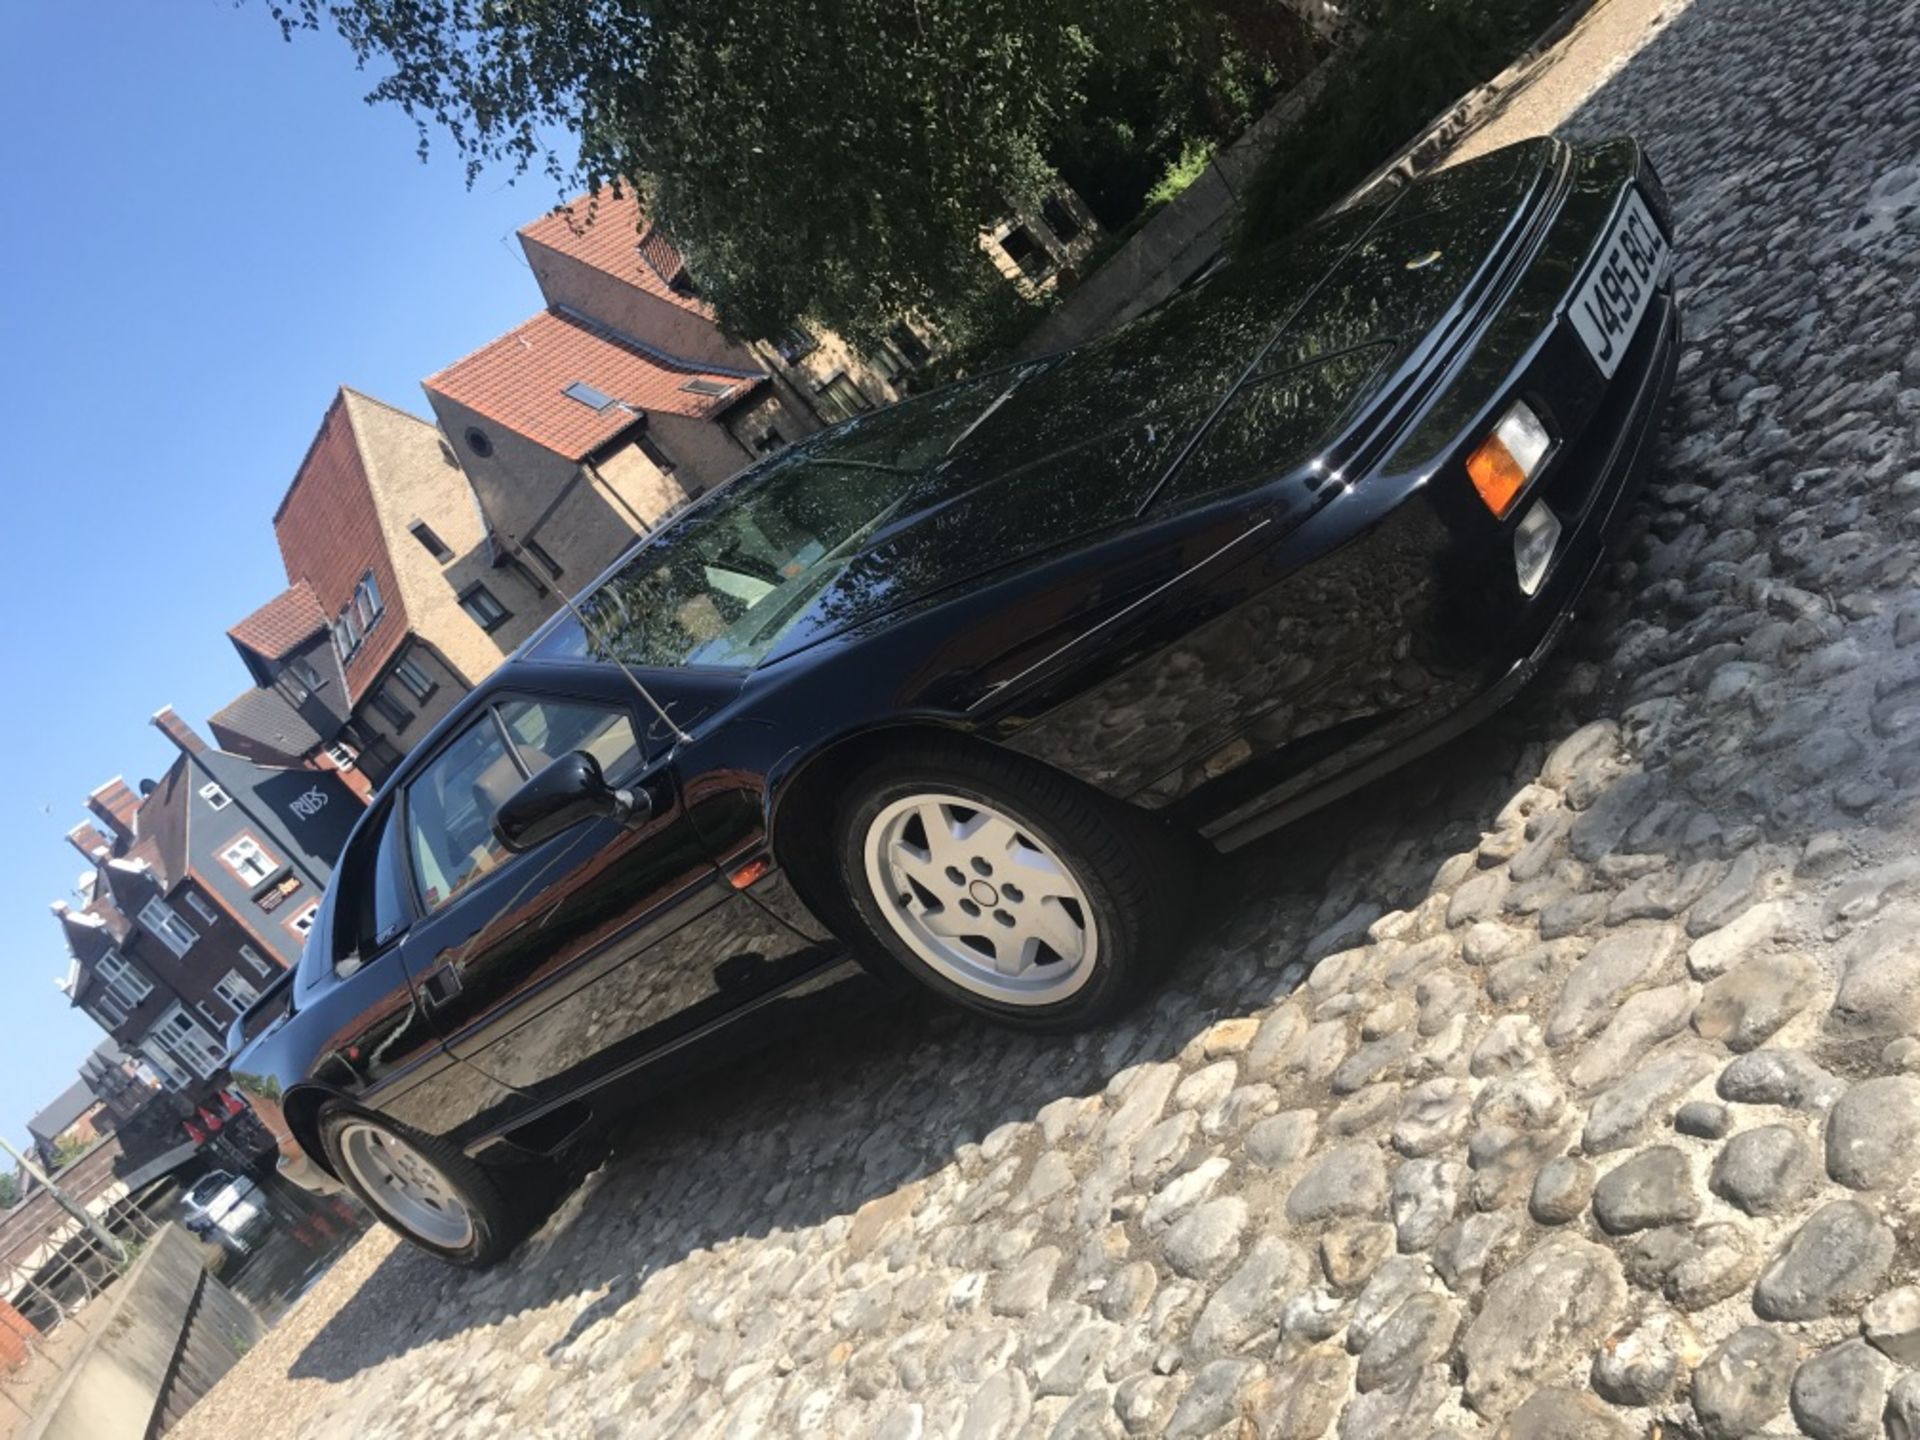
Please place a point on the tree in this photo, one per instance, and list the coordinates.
(9, 1190)
(832, 161)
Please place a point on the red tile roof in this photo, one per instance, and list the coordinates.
(613, 235)
(280, 626)
(521, 379)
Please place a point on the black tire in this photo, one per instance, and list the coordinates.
(1134, 874)
(499, 1219)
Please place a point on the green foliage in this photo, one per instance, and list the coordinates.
(68, 1149)
(831, 162)
(1181, 173)
(9, 1190)
(1416, 58)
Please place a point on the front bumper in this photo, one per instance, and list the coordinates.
(1482, 639)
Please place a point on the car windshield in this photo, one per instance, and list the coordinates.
(723, 586)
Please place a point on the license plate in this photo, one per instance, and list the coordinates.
(1610, 302)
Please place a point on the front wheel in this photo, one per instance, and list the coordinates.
(1007, 888)
(424, 1188)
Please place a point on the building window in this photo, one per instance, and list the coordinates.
(912, 348)
(539, 552)
(390, 709)
(433, 544)
(177, 1043)
(419, 684)
(841, 399)
(771, 441)
(254, 961)
(1059, 219)
(308, 673)
(216, 798)
(247, 859)
(106, 1012)
(795, 343)
(711, 389)
(206, 1013)
(302, 922)
(126, 985)
(236, 994)
(342, 755)
(488, 613)
(346, 637)
(588, 396)
(1026, 252)
(478, 442)
(169, 928)
(367, 605)
(198, 904)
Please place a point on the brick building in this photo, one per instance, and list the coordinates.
(397, 600)
(199, 891)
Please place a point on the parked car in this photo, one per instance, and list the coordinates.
(223, 1206)
(963, 688)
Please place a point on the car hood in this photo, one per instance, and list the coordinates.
(1007, 467)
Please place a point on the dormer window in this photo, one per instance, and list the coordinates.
(713, 389)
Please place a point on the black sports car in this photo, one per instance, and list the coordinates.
(965, 683)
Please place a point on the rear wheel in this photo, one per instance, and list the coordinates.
(424, 1188)
(1006, 887)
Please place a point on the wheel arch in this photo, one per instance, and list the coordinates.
(302, 1109)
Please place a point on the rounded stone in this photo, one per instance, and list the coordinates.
(1719, 1261)
(1832, 1262)
(1892, 1325)
(1564, 1415)
(1550, 1307)
(1840, 1393)
(1743, 1384)
(1703, 1119)
(1638, 1366)
(1206, 1240)
(1873, 1133)
(1351, 1252)
(1348, 1181)
(1902, 1417)
(1561, 1190)
(1417, 1334)
(1654, 1188)
(1764, 1171)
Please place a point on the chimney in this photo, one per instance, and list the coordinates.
(114, 805)
(88, 840)
(177, 730)
(61, 908)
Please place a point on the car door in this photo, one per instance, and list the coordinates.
(551, 970)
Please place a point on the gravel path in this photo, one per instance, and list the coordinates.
(1567, 1087)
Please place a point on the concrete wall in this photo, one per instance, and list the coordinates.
(1176, 244)
(132, 1364)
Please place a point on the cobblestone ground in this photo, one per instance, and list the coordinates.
(1568, 1087)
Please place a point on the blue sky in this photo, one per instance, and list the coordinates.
(206, 232)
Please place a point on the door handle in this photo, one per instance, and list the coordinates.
(440, 987)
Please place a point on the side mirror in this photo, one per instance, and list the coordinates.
(567, 791)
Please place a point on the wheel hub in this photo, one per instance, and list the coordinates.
(982, 897)
(405, 1186)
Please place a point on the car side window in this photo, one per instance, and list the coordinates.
(544, 730)
(450, 807)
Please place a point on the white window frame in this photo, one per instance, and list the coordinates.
(106, 1011)
(200, 907)
(167, 927)
(234, 992)
(248, 851)
(256, 962)
(178, 1049)
(215, 796)
(301, 921)
(206, 1014)
(343, 755)
(126, 984)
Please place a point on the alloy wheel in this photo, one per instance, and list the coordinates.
(982, 898)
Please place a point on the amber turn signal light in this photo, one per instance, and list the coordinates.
(1508, 458)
